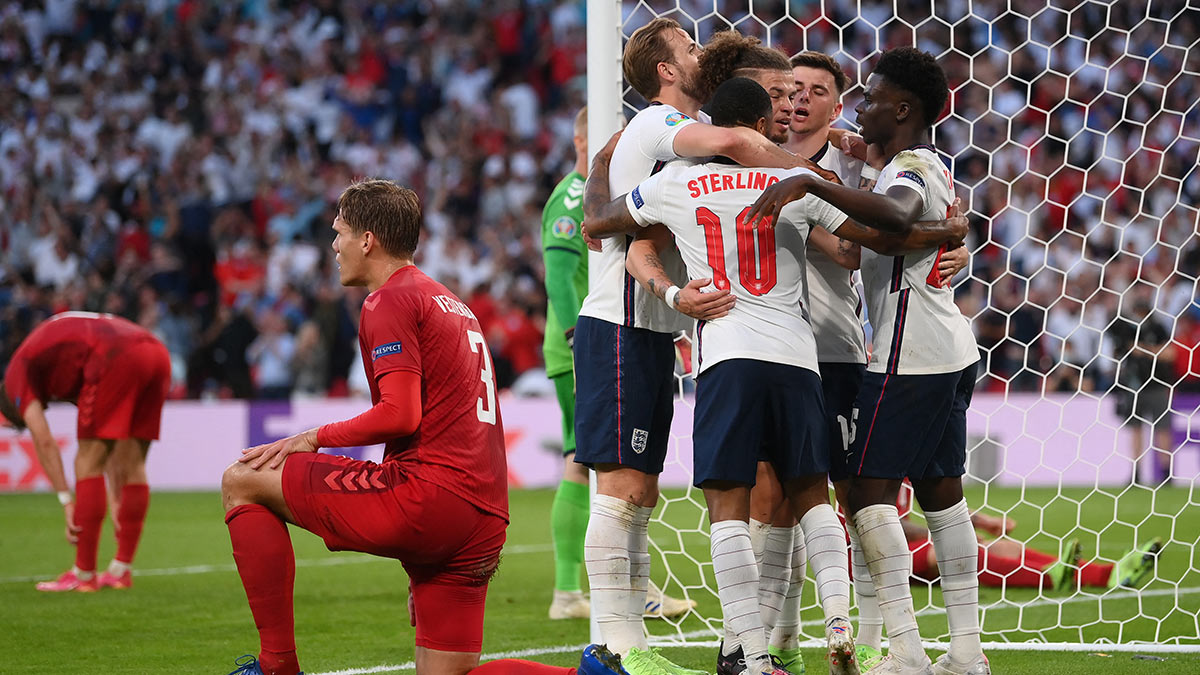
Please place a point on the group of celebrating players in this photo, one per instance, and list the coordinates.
(726, 218)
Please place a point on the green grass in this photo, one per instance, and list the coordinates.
(350, 609)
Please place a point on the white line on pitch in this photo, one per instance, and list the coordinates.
(673, 640)
(332, 561)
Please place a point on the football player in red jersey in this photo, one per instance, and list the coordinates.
(438, 502)
(117, 373)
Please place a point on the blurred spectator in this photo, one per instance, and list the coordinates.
(196, 148)
(272, 356)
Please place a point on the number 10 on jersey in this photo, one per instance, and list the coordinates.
(755, 251)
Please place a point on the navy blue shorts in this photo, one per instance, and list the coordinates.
(747, 410)
(840, 383)
(912, 426)
(624, 395)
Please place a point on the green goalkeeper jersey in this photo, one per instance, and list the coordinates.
(565, 257)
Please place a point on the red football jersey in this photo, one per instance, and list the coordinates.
(414, 323)
(53, 360)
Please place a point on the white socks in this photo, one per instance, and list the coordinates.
(957, 552)
(639, 562)
(870, 621)
(786, 633)
(826, 542)
(890, 564)
(775, 573)
(737, 586)
(118, 568)
(607, 559)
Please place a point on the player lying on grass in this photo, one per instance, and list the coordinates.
(117, 373)
(913, 400)
(438, 502)
(702, 206)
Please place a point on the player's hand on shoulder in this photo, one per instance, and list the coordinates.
(766, 208)
(852, 145)
(701, 305)
(274, 453)
(606, 152)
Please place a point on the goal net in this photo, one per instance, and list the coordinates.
(1072, 134)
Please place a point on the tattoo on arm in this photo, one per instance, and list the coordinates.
(844, 247)
(659, 282)
(866, 183)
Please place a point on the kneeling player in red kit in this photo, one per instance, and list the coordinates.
(438, 502)
(117, 373)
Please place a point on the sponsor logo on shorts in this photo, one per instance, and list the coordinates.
(637, 198)
(564, 228)
(640, 436)
(389, 348)
(913, 176)
(675, 118)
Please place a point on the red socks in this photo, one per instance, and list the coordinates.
(131, 516)
(518, 667)
(91, 501)
(262, 550)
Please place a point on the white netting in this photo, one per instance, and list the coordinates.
(1072, 133)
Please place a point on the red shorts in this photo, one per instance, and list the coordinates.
(921, 550)
(449, 548)
(122, 396)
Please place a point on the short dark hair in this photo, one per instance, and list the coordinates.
(811, 59)
(918, 73)
(729, 53)
(739, 101)
(391, 212)
(647, 48)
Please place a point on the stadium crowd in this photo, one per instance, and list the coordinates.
(176, 163)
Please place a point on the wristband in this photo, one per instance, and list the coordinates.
(64, 497)
(671, 297)
(569, 334)
(869, 172)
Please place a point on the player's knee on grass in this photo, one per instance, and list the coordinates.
(241, 484)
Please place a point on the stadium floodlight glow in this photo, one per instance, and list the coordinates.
(1072, 133)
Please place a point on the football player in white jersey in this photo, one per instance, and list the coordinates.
(778, 540)
(623, 343)
(912, 405)
(704, 207)
(837, 319)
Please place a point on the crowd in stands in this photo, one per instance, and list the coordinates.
(176, 162)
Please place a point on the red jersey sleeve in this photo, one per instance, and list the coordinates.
(389, 332)
(17, 385)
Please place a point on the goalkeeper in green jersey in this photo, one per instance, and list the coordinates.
(565, 256)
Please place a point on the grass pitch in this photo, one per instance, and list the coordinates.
(187, 613)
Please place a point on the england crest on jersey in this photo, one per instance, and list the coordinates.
(640, 436)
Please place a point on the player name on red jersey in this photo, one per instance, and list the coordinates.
(715, 182)
(453, 306)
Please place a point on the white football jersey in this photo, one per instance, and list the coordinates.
(704, 206)
(614, 296)
(918, 329)
(832, 293)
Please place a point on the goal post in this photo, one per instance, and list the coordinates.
(1073, 134)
